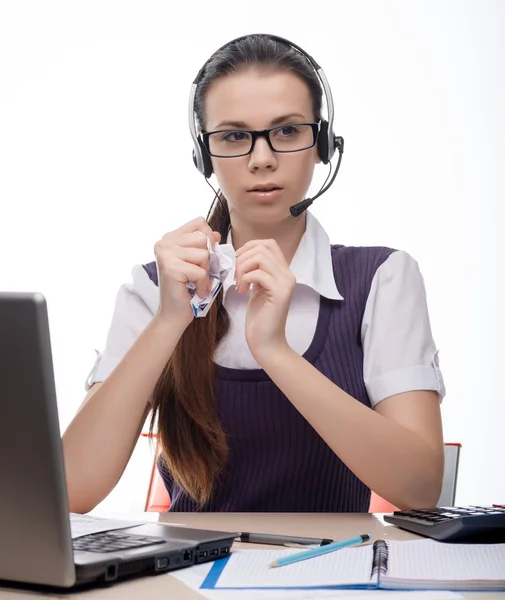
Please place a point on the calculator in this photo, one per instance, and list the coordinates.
(467, 524)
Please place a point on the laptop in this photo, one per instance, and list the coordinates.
(36, 542)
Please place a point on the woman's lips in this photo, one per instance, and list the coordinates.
(264, 195)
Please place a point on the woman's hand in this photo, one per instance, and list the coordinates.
(262, 264)
(182, 255)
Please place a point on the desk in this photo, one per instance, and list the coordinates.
(163, 587)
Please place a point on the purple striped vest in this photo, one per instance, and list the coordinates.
(278, 463)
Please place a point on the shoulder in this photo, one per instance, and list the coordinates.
(354, 267)
(143, 287)
(361, 254)
(371, 259)
(361, 272)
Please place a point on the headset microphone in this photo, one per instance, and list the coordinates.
(297, 209)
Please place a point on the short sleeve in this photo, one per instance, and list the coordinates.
(399, 351)
(135, 305)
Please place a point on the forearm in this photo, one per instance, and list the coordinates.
(100, 439)
(394, 461)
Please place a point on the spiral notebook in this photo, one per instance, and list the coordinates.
(410, 565)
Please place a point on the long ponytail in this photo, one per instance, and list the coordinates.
(193, 443)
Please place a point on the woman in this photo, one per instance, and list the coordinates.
(312, 381)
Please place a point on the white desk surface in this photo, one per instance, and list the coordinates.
(165, 587)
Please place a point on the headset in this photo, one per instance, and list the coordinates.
(327, 141)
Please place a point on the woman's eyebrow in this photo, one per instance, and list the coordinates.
(242, 125)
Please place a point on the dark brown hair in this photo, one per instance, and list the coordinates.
(192, 440)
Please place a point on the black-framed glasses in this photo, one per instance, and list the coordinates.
(231, 143)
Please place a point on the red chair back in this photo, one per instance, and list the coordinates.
(158, 499)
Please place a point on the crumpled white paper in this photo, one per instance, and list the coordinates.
(221, 269)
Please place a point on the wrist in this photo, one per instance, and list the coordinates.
(169, 325)
(274, 354)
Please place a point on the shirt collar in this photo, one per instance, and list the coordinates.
(312, 263)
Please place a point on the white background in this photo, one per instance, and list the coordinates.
(95, 165)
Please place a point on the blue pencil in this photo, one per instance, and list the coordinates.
(287, 560)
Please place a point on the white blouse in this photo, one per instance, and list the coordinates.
(399, 352)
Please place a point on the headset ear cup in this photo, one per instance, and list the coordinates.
(337, 144)
(206, 160)
(322, 142)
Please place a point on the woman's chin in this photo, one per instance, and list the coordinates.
(268, 214)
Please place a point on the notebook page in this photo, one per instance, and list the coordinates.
(429, 560)
(249, 569)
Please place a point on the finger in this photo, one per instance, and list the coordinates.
(258, 261)
(196, 256)
(197, 275)
(182, 271)
(268, 249)
(259, 277)
(255, 251)
(202, 286)
(194, 239)
(197, 240)
(257, 258)
(181, 265)
(269, 244)
(198, 224)
(274, 247)
(201, 258)
(247, 246)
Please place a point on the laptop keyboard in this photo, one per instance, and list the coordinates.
(113, 541)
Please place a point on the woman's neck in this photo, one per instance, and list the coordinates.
(287, 234)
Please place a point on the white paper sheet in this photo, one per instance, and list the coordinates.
(193, 577)
(430, 560)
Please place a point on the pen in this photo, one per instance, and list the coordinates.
(280, 540)
(287, 560)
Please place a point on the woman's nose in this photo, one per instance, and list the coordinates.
(262, 156)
